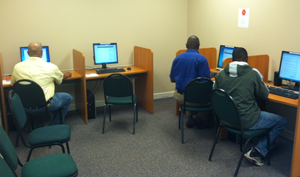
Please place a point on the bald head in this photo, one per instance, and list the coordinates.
(35, 49)
(193, 43)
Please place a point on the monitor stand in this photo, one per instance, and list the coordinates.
(104, 66)
(296, 87)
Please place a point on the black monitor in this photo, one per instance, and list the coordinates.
(290, 67)
(224, 52)
(105, 53)
(25, 56)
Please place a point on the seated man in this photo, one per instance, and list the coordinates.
(44, 74)
(245, 84)
(186, 67)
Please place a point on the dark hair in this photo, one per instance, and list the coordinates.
(239, 54)
(193, 42)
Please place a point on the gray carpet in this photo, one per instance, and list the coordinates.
(155, 149)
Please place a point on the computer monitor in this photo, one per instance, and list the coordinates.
(105, 53)
(290, 67)
(25, 56)
(224, 52)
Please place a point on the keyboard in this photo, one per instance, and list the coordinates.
(283, 92)
(110, 70)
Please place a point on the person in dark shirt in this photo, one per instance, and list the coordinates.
(186, 67)
(245, 84)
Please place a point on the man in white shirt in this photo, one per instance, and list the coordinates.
(44, 74)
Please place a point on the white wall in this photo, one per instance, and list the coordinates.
(273, 26)
(66, 25)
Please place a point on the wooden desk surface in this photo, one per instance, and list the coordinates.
(134, 70)
(75, 75)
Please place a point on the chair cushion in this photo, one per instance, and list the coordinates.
(50, 134)
(53, 165)
(121, 100)
(200, 109)
(248, 133)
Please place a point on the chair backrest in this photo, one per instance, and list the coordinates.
(31, 94)
(226, 110)
(5, 169)
(7, 149)
(17, 109)
(198, 91)
(117, 85)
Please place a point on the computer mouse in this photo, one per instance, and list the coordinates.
(128, 68)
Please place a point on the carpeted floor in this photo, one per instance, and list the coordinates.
(155, 149)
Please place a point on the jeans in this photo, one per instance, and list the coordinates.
(272, 121)
(59, 101)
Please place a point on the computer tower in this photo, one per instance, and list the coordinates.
(91, 106)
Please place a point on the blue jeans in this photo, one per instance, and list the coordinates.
(272, 121)
(59, 101)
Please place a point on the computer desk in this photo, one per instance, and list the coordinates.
(143, 69)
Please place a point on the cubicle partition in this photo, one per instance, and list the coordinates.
(143, 58)
(260, 62)
(3, 107)
(209, 53)
(80, 85)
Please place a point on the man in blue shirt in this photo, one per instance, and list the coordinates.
(186, 67)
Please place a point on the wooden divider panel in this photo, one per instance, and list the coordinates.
(3, 107)
(209, 53)
(80, 85)
(143, 58)
(260, 62)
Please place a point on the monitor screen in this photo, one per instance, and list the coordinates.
(25, 56)
(105, 53)
(290, 66)
(224, 52)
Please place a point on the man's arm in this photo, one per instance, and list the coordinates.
(261, 90)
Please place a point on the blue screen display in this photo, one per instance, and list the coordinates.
(290, 66)
(25, 56)
(105, 53)
(225, 52)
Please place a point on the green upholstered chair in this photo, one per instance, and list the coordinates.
(40, 137)
(118, 90)
(196, 92)
(33, 97)
(59, 165)
(228, 117)
(5, 170)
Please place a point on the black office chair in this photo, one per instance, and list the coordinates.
(197, 92)
(228, 117)
(40, 137)
(59, 165)
(118, 90)
(33, 97)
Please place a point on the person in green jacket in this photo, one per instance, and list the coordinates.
(245, 84)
